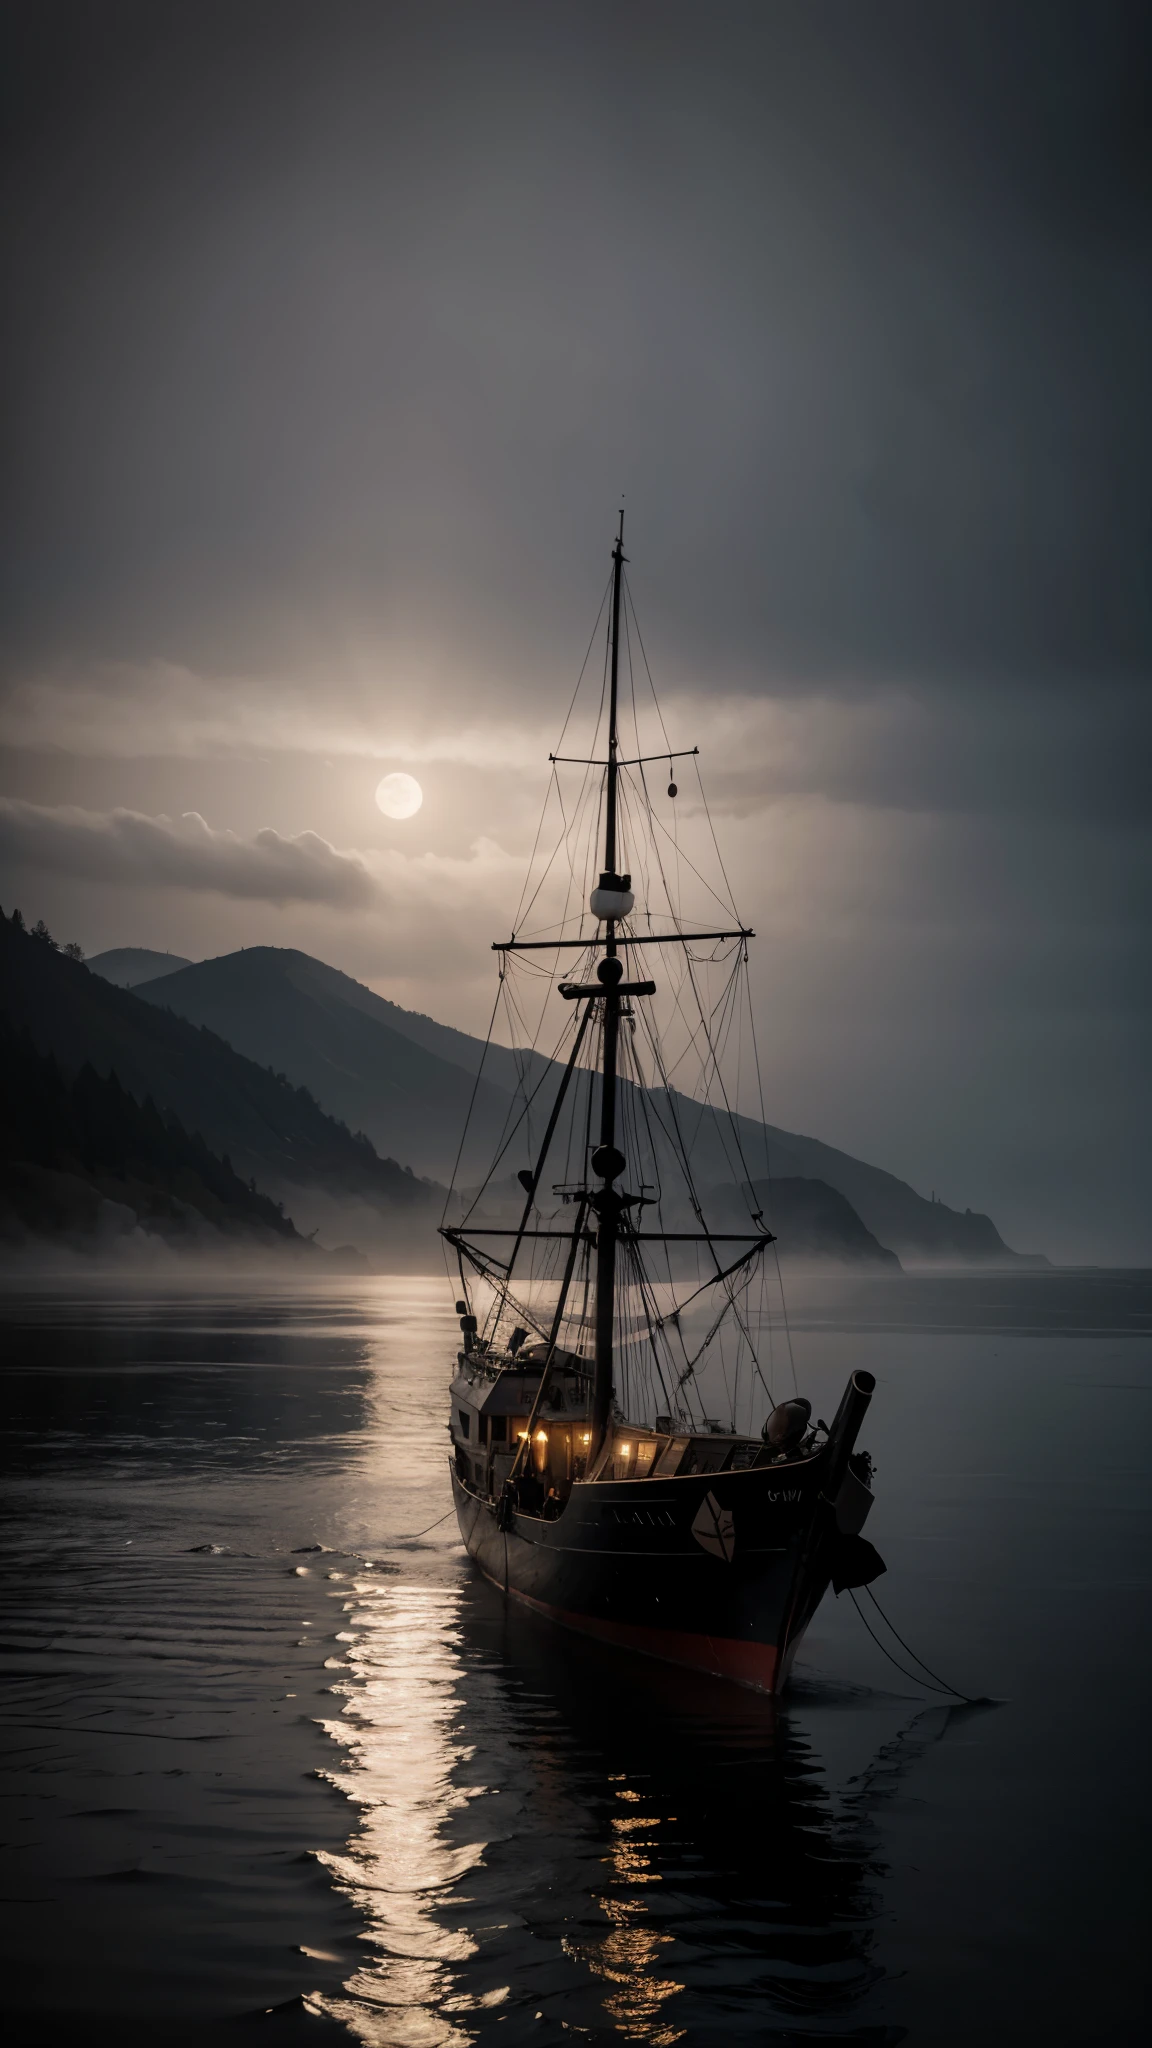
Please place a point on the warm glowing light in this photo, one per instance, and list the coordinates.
(587, 1437)
(541, 1436)
(399, 796)
(625, 1450)
(523, 1435)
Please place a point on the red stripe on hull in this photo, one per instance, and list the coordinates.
(756, 1665)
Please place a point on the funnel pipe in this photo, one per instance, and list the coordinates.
(846, 1428)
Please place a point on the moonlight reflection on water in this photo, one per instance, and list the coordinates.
(403, 1741)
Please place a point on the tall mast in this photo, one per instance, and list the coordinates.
(610, 902)
(607, 1162)
(613, 740)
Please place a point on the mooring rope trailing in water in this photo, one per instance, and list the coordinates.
(933, 1678)
(431, 1526)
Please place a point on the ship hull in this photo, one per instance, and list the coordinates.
(720, 1573)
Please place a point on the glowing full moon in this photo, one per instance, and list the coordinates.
(399, 796)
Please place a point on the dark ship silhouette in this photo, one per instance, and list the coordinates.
(681, 1536)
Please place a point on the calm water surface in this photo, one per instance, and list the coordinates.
(277, 1760)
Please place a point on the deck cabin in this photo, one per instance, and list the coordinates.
(493, 1397)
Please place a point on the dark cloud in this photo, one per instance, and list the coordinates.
(334, 332)
(360, 316)
(185, 853)
(1079, 758)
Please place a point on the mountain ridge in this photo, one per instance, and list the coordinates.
(897, 1216)
(129, 966)
(324, 1030)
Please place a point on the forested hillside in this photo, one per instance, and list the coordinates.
(274, 1132)
(80, 1159)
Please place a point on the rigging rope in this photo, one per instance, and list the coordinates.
(472, 1101)
(559, 743)
(695, 1130)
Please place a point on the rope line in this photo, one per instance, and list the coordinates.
(933, 1682)
(431, 1526)
(919, 1660)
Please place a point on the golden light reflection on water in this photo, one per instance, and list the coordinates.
(626, 1956)
(406, 1771)
(400, 1732)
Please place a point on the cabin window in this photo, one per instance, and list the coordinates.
(630, 1458)
(464, 1420)
(707, 1454)
(498, 1428)
(483, 1429)
(669, 1459)
(744, 1457)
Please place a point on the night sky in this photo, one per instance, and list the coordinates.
(335, 333)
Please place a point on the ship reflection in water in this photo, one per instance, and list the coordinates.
(552, 1832)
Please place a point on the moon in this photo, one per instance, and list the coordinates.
(399, 796)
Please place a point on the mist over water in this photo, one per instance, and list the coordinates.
(278, 1758)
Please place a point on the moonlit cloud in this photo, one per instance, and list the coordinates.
(142, 710)
(139, 710)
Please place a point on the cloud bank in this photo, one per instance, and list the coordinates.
(184, 853)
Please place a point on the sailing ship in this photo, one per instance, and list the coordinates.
(624, 1280)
